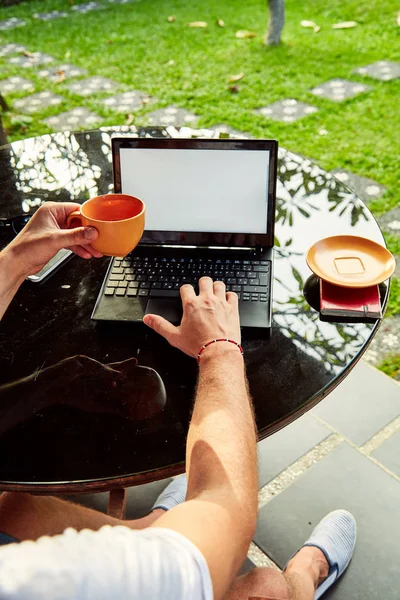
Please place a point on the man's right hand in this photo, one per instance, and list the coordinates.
(212, 314)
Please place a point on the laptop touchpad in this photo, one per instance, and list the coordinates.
(170, 309)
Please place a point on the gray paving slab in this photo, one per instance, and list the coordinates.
(33, 59)
(287, 110)
(7, 49)
(171, 115)
(390, 221)
(11, 23)
(50, 16)
(362, 404)
(77, 118)
(286, 446)
(339, 89)
(127, 101)
(86, 7)
(92, 85)
(389, 453)
(383, 70)
(343, 479)
(16, 84)
(366, 189)
(61, 72)
(37, 102)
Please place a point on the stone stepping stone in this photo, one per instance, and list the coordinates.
(123, 103)
(35, 58)
(16, 84)
(57, 74)
(390, 221)
(87, 87)
(384, 70)
(226, 129)
(54, 14)
(120, 1)
(77, 118)
(171, 116)
(339, 89)
(37, 102)
(11, 49)
(87, 7)
(287, 110)
(386, 341)
(366, 189)
(11, 24)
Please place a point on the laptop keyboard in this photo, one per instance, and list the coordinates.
(161, 277)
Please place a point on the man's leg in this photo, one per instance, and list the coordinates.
(298, 582)
(27, 517)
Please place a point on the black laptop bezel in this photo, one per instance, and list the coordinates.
(196, 238)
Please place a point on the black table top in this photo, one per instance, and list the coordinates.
(69, 420)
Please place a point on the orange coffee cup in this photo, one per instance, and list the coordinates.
(118, 218)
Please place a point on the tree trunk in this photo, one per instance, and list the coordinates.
(276, 22)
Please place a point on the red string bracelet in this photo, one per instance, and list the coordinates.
(213, 342)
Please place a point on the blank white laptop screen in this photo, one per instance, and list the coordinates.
(199, 190)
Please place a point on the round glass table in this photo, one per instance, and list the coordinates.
(91, 406)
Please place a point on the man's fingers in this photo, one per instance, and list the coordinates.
(161, 326)
(92, 251)
(232, 298)
(79, 236)
(219, 289)
(80, 251)
(187, 292)
(206, 285)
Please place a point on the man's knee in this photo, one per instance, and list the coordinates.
(264, 583)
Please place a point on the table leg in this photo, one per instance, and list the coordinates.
(117, 503)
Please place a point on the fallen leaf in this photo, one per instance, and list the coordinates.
(244, 34)
(171, 19)
(308, 24)
(398, 19)
(344, 25)
(60, 76)
(129, 119)
(67, 54)
(170, 63)
(197, 24)
(109, 41)
(220, 23)
(234, 78)
(317, 28)
(27, 53)
(234, 89)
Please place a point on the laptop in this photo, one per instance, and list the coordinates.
(210, 210)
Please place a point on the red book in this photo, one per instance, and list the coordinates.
(336, 301)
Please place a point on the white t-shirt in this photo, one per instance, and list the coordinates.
(114, 563)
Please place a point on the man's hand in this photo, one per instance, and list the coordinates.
(45, 234)
(212, 314)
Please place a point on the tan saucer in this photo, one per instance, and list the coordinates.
(350, 261)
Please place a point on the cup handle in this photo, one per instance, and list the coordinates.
(75, 215)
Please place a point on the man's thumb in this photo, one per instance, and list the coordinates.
(79, 236)
(161, 326)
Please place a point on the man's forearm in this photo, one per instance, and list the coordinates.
(221, 453)
(11, 278)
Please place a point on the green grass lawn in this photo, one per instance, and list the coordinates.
(134, 44)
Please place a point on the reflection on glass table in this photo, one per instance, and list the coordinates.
(76, 412)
